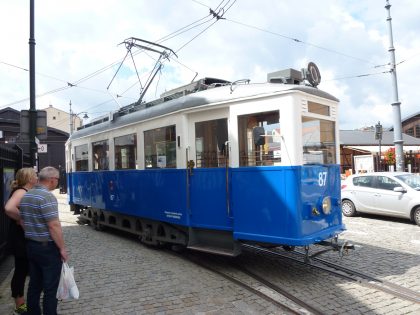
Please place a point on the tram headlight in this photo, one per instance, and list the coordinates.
(326, 205)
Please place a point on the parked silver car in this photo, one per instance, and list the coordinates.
(395, 194)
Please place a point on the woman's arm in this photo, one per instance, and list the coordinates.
(12, 205)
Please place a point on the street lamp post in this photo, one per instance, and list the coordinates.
(73, 116)
(398, 140)
(378, 136)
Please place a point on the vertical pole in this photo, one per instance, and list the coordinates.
(71, 120)
(32, 109)
(398, 141)
(380, 165)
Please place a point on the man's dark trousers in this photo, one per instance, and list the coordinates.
(44, 271)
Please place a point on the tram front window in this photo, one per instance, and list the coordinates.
(259, 139)
(318, 137)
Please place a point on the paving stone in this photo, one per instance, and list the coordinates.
(117, 275)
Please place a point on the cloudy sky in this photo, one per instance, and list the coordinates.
(78, 50)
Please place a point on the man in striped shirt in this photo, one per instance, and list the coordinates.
(45, 243)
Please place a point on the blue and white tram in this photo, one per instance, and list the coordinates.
(213, 165)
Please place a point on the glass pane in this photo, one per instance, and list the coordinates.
(100, 155)
(387, 183)
(210, 143)
(125, 152)
(160, 148)
(81, 154)
(318, 108)
(259, 139)
(364, 181)
(318, 141)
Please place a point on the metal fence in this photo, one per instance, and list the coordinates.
(11, 159)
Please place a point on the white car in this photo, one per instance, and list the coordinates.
(395, 194)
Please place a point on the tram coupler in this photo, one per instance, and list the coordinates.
(334, 244)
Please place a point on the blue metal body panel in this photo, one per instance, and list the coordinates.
(266, 204)
(208, 202)
(275, 204)
(153, 194)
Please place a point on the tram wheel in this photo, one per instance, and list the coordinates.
(288, 248)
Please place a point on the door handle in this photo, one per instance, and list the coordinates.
(190, 166)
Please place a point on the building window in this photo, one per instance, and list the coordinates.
(81, 153)
(410, 131)
(53, 117)
(210, 143)
(417, 131)
(125, 152)
(100, 155)
(160, 148)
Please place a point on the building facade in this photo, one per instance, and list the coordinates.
(59, 119)
(51, 151)
(411, 125)
(362, 142)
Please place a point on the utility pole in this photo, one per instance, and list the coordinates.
(33, 148)
(71, 120)
(398, 141)
(378, 136)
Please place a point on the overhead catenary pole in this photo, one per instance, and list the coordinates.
(398, 141)
(33, 148)
(71, 120)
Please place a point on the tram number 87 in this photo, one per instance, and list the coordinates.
(322, 178)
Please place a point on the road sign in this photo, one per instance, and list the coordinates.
(42, 148)
(41, 124)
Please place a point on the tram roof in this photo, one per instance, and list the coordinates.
(227, 93)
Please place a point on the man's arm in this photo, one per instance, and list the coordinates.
(56, 233)
(12, 205)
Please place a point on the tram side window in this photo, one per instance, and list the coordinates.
(81, 157)
(318, 141)
(210, 143)
(100, 156)
(160, 148)
(125, 152)
(259, 139)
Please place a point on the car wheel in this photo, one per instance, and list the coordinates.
(416, 215)
(348, 208)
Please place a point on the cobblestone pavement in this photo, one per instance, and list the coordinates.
(117, 275)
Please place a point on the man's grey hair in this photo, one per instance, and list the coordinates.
(48, 172)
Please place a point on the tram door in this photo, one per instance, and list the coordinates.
(208, 176)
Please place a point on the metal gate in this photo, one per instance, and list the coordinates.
(11, 159)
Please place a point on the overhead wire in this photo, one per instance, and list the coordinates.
(103, 69)
(300, 41)
(224, 6)
(359, 76)
(97, 72)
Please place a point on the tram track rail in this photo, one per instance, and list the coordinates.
(344, 272)
(288, 302)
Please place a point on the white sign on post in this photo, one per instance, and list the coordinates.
(42, 148)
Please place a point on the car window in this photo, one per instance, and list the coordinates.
(411, 180)
(384, 182)
(363, 181)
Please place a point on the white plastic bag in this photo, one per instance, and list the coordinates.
(67, 288)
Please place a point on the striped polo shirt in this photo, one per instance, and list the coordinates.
(37, 207)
